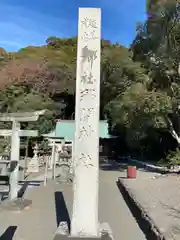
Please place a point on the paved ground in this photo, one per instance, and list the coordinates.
(114, 210)
(159, 195)
(41, 219)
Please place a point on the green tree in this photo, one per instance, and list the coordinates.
(149, 98)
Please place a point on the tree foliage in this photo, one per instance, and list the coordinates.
(140, 86)
(152, 103)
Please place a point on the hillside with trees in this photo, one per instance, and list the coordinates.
(140, 86)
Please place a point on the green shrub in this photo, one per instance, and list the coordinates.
(172, 159)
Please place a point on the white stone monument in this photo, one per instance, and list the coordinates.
(86, 149)
(85, 223)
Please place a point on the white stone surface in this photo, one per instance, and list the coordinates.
(86, 150)
(21, 117)
(21, 133)
(15, 144)
(33, 165)
(52, 154)
(15, 155)
(56, 145)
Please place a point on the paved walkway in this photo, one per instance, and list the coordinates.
(47, 210)
(114, 210)
(159, 197)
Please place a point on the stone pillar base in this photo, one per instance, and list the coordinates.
(62, 233)
(16, 204)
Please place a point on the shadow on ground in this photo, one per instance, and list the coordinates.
(140, 167)
(24, 185)
(121, 165)
(22, 189)
(62, 214)
(112, 166)
(139, 215)
(9, 233)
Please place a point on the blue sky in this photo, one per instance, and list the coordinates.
(25, 22)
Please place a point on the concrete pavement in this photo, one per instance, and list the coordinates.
(48, 209)
(113, 209)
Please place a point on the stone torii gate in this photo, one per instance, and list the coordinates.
(16, 133)
(54, 143)
(58, 156)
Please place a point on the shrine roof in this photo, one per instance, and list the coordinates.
(66, 128)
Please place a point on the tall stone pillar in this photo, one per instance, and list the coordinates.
(86, 148)
(84, 222)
